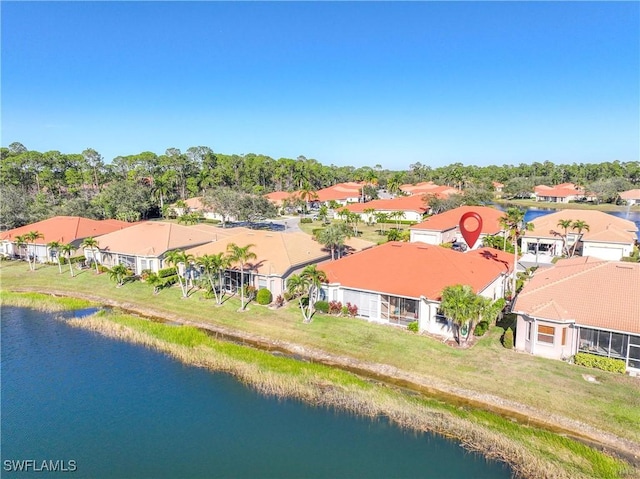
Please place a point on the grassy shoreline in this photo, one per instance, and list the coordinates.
(530, 452)
(554, 392)
(563, 206)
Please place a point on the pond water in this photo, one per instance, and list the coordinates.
(113, 409)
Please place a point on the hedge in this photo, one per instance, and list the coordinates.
(507, 339)
(600, 362)
(306, 220)
(163, 273)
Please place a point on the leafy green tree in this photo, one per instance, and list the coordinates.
(92, 245)
(14, 207)
(241, 255)
(457, 304)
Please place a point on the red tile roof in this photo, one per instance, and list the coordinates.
(602, 226)
(596, 293)
(401, 203)
(429, 187)
(341, 191)
(451, 219)
(630, 194)
(416, 269)
(66, 229)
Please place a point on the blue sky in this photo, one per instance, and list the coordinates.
(356, 83)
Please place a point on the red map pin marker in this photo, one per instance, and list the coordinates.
(471, 227)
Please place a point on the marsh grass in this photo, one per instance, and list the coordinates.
(43, 302)
(531, 452)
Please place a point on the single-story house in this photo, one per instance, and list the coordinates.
(399, 283)
(563, 193)
(143, 246)
(609, 237)
(581, 305)
(197, 205)
(279, 255)
(280, 198)
(631, 197)
(63, 229)
(413, 208)
(342, 193)
(429, 188)
(445, 227)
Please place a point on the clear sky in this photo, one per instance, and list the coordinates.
(345, 83)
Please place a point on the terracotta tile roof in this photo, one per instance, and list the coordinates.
(596, 293)
(401, 203)
(278, 197)
(153, 238)
(560, 191)
(429, 187)
(416, 269)
(602, 226)
(277, 252)
(451, 219)
(66, 229)
(341, 191)
(630, 194)
(195, 204)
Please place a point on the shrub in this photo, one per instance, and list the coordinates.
(288, 296)
(264, 296)
(101, 268)
(481, 328)
(306, 220)
(352, 309)
(344, 310)
(507, 339)
(279, 302)
(335, 307)
(322, 306)
(145, 273)
(166, 272)
(600, 362)
(413, 326)
(249, 292)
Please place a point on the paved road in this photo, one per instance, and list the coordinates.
(291, 223)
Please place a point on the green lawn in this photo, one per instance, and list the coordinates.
(549, 387)
(371, 233)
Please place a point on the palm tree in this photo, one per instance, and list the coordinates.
(397, 215)
(21, 243)
(156, 281)
(382, 218)
(213, 266)
(565, 225)
(580, 226)
(513, 221)
(369, 212)
(175, 257)
(314, 278)
(457, 305)
(54, 247)
(307, 194)
(394, 183)
(91, 244)
(118, 273)
(67, 250)
(333, 237)
(32, 237)
(297, 286)
(241, 254)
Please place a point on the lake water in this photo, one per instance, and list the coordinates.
(533, 213)
(122, 411)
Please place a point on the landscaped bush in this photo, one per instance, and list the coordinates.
(264, 296)
(279, 302)
(481, 328)
(600, 362)
(507, 339)
(335, 307)
(145, 273)
(322, 306)
(249, 292)
(352, 309)
(413, 326)
(288, 296)
(166, 272)
(306, 220)
(101, 268)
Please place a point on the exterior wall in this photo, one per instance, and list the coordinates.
(140, 263)
(423, 236)
(607, 251)
(497, 288)
(533, 336)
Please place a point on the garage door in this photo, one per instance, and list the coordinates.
(611, 254)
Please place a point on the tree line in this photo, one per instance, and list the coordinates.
(37, 185)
